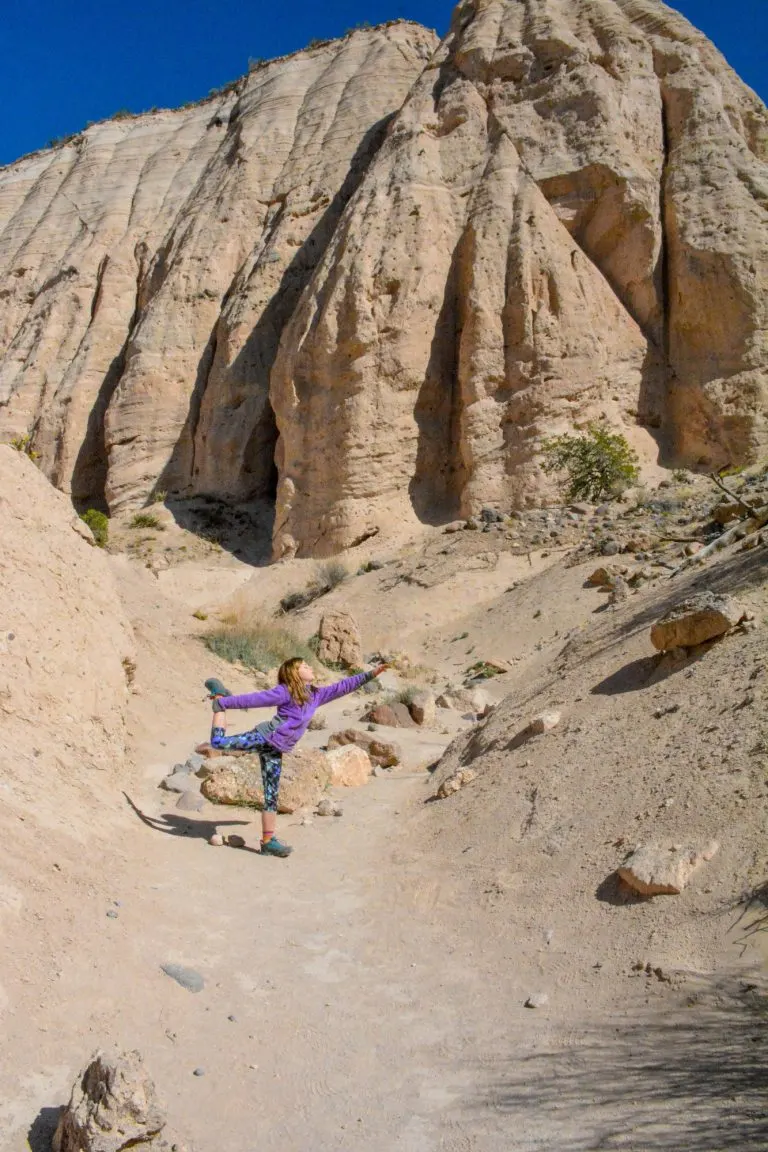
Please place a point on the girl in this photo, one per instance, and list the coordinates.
(297, 700)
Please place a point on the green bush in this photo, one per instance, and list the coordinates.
(258, 646)
(597, 464)
(98, 523)
(146, 520)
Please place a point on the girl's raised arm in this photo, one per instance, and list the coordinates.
(266, 699)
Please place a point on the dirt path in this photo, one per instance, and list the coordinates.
(344, 1008)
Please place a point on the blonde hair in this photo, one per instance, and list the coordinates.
(288, 674)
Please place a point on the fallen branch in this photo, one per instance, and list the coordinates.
(742, 503)
(739, 531)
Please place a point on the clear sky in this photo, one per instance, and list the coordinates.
(65, 62)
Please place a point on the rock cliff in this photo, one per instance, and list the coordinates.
(371, 277)
(149, 265)
(567, 221)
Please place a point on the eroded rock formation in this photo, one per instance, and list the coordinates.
(149, 265)
(413, 265)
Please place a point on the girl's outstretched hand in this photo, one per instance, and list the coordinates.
(377, 671)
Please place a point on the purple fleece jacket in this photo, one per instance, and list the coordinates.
(294, 718)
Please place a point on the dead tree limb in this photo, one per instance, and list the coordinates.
(739, 531)
(742, 503)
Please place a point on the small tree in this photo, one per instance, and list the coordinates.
(597, 464)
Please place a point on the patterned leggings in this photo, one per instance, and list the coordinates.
(271, 759)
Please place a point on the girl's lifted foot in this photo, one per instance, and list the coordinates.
(216, 688)
(275, 847)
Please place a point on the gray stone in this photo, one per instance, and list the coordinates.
(610, 548)
(190, 802)
(179, 782)
(187, 977)
(195, 761)
(199, 1072)
(181, 770)
(112, 915)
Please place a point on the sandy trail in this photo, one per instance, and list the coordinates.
(344, 1008)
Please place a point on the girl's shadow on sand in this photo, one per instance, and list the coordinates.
(174, 825)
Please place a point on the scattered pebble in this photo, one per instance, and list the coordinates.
(216, 840)
(112, 915)
(537, 1000)
(199, 1072)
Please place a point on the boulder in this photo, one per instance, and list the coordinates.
(423, 709)
(394, 715)
(664, 870)
(456, 782)
(382, 753)
(701, 617)
(305, 774)
(475, 700)
(602, 577)
(113, 1106)
(340, 641)
(728, 510)
(350, 766)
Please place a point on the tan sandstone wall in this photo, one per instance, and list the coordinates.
(565, 223)
(151, 263)
(374, 276)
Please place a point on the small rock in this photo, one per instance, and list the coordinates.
(454, 783)
(540, 724)
(382, 753)
(454, 526)
(178, 782)
(603, 577)
(187, 977)
(235, 841)
(195, 761)
(199, 1072)
(537, 1000)
(190, 802)
(325, 807)
(423, 709)
(654, 870)
(473, 524)
(692, 548)
(112, 915)
(181, 769)
(610, 548)
(216, 840)
(726, 511)
(318, 723)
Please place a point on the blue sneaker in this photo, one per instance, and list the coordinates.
(275, 847)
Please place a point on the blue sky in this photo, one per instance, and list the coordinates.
(65, 62)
